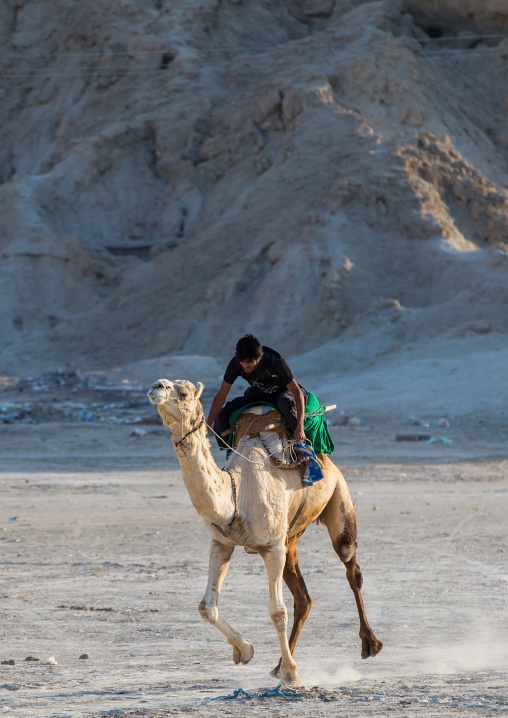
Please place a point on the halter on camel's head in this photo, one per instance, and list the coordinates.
(178, 401)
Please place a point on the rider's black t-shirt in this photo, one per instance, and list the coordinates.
(271, 376)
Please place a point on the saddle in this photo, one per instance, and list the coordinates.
(268, 425)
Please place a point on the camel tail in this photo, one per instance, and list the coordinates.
(320, 521)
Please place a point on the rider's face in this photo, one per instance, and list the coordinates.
(250, 365)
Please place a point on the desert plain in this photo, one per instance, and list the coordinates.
(106, 557)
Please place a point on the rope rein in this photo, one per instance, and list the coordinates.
(177, 443)
(184, 446)
(180, 443)
(251, 461)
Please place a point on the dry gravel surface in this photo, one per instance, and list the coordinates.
(103, 555)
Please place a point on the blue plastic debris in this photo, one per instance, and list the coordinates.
(87, 417)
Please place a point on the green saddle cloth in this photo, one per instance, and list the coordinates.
(316, 428)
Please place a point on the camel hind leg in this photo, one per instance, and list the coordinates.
(302, 601)
(220, 556)
(340, 520)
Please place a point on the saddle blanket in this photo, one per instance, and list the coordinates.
(313, 471)
(316, 428)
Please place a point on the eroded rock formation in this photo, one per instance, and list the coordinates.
(176, 173)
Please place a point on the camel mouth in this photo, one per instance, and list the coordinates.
(155, 396)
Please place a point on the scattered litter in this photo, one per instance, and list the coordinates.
(412, 437)
(86, 416)
(10, 662)
(31, 658)
(84, 657)
(413, 421)
(443, 422)
(441, 439)
(12, 413)
(137, 432)
(405, 512)
(51, 661)
(92, 402)
(376, 508)
(354, 421)
(14, 518)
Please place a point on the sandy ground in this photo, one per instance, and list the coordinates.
(108, 558)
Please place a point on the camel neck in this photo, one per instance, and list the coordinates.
(209, 487)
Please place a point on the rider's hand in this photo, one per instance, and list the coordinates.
(299, 435)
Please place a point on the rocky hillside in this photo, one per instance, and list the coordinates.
(174, 173)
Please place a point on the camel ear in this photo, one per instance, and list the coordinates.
(199, 390)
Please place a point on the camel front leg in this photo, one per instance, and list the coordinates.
(220, 556)
(275, 559)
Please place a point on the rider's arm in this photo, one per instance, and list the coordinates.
(300, 410)
(218, 402)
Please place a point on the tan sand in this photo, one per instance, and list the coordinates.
(107, 557)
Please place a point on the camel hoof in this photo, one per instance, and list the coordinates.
(248, 653)
(275, 673)
(290, 682)
(243, 656)
(371, 647)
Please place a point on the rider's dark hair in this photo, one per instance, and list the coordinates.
(248, 347)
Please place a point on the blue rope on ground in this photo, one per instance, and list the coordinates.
(235, 694)
(289, 695)
(278, 692)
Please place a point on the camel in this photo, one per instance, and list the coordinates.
(266, 509)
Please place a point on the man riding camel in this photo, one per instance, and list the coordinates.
(271, 380)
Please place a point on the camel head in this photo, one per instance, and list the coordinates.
(177, 399)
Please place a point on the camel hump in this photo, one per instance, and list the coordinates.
(269, 426)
